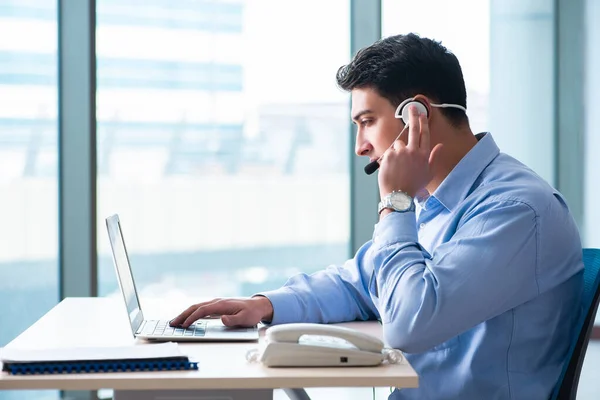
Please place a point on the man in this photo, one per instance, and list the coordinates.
(479, 282)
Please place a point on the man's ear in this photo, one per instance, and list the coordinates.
(426, 102)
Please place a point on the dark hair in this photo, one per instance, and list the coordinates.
(402, 66)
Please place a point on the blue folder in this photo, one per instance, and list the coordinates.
(79, 367)
(151, 357)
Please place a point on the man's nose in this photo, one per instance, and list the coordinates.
(362, 148)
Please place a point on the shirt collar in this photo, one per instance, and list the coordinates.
(456, 186)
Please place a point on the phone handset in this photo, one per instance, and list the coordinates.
(293, 332)
(320, 345)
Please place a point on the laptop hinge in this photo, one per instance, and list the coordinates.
(140, 328)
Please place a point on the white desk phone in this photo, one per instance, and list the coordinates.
(320, 345)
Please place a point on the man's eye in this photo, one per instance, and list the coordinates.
(366, 122)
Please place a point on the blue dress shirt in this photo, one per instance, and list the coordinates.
(479, 287)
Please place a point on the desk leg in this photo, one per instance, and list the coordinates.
(296, 394)
(220, 394)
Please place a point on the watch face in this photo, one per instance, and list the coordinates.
(400, 201)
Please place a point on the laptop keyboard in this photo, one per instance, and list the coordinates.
(162, 328)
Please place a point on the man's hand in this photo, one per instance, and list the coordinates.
(233, 312)
(407, 167)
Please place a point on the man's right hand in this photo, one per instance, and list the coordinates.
(233, 312)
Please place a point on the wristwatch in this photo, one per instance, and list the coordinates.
(397, 201)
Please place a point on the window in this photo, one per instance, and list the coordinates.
(592, 138)
(222, 142)
(506, 50)
(453, 23)
(28, 176)
(591, 164)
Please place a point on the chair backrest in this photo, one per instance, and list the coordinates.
(566, 388)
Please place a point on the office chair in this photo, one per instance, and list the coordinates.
(566, 388)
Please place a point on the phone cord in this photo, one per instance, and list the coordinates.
(252, 355)
(392, 356)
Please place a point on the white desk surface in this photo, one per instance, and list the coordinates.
(103, 322)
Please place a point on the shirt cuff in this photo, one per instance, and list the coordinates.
(396, 227)
(285, 306)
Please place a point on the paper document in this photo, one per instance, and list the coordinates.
(139, 352)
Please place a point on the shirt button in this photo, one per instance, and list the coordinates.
(422, 225)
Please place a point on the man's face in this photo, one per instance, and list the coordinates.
(377, 128)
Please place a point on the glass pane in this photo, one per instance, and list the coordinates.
(222, 142)
(506, 51)
(28, 176)
(452, 23)
(591, 220)
(591, 212)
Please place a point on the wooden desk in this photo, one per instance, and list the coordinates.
(103, 322)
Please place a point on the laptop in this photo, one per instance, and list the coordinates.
(159, 330)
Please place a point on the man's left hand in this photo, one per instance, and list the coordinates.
(407, 167)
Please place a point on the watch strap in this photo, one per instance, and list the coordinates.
(386, 202)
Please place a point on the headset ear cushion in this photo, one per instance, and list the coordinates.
(421, 108)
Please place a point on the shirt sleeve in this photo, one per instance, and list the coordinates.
(486, 268)
(335, 294)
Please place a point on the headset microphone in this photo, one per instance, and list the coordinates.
(371, 167)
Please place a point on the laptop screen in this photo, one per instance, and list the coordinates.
(124, 275)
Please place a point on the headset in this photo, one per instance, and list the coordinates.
(403, 113)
